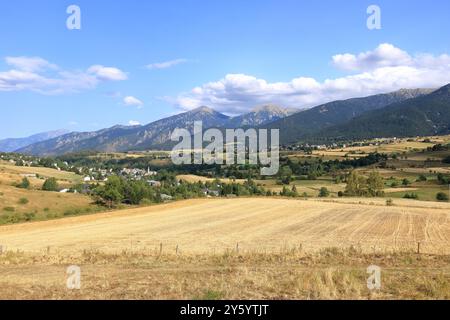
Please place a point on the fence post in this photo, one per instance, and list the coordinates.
(160, 248)
(237, 247)
(1, 250)
(176, 250)
(418, 247)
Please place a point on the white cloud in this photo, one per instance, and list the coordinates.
(134, 123)
(385, 55)
(166, 64)
(132, 101)
(39, 75)
(384, 69)
(29, 64)
(107, 73)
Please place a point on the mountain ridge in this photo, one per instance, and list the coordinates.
(407, 109)
(13, 144)
(305, 123)
(421, 116)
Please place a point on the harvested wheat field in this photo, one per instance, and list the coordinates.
(256, 248)
(205, 226)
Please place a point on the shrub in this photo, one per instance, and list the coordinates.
(146, 202)
(340, 194)
(389, 202)
(406, 182)
(29, 216)
(413, 195)
(9, 209)
(394, 184)
(442, 196)
(324, 192)
(422, 178)
(25, 184)
(10, 218)
(23, 201)
(72, 212)
(51, 216)
(50, 185)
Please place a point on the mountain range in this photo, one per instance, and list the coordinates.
(13, 144)
(424, 115)
(304, 125)
(403, 113)
(155, 135)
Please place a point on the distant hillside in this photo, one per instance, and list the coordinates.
(123, 138)
(401, 113)
(260, 116)
(155, 135)
(422, 116)
(305, 123)
(13, 144)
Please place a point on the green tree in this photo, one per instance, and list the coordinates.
(25, 184)
(284, 192)
(324, 192)
(375, 184)
(422, 178)
(112, 193)
(406, 182)
(286, 174)
(356, 185)
(442, 196)
(111, 196)
(50, 185)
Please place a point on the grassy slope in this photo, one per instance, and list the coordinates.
(15, 203)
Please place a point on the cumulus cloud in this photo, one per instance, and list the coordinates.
(384, 69)
(385, 55)
(107, 73)
(132, 101)
(166, 64)
(38, 75)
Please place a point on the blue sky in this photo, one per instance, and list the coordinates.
(140, 61)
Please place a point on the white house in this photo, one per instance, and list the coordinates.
(154, 183)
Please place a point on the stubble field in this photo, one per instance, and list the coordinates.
(256, 248)
(205, 226)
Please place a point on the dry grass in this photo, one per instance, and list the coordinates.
(192, 178)
(310, 187)
(291, 274)
(42, 205)
(266, 224)
(41, 171)
(256, 248)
